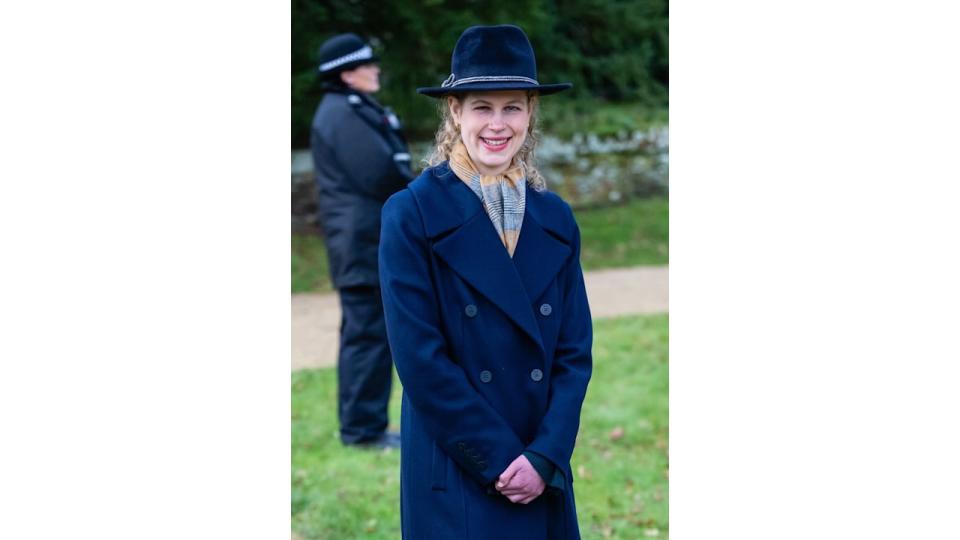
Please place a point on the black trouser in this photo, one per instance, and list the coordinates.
(364, 369)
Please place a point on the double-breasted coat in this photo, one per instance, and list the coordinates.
(494, 355)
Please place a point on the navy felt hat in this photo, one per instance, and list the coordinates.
(492, 58)
(343, 52)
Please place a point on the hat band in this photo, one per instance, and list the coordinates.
(450, 82)
(363, 53)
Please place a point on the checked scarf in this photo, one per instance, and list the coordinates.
(503, 196)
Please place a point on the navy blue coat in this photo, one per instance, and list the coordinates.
(494, 355)
(360, 158)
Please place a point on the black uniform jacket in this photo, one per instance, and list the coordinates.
(360, 158)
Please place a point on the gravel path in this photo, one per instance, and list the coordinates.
(315, 318)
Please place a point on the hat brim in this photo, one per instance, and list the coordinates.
(542, 89)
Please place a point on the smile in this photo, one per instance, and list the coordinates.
(495, 145)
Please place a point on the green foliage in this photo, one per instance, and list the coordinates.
(564, 116)
(629, 235)
(621, 458)
(612, 50)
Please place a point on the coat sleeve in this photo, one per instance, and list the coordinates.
(366, 158)
(572, 366)
(454, 414)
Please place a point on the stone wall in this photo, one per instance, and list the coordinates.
(586, 171)
(303, 190)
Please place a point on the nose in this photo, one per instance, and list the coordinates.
(496, 122)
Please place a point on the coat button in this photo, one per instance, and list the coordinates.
(536, 375)
(486, 376)
(546, 310)
(470, 310)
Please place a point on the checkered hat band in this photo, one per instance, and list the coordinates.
(361, 54)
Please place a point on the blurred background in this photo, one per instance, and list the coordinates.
(604, 150)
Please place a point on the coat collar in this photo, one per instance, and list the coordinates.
(463, 236)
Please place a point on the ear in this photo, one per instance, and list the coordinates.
(456, 108)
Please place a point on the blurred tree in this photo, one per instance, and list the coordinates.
(614, 50)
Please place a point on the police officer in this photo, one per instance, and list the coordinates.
(361, 158)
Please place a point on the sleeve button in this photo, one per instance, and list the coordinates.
(536, 375)
(486, 376)
(546, 310)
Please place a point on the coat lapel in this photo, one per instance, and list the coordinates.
(472, 248)
(464, 238)
(539, 255)
(476, 254)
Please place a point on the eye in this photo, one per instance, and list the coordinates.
(480, 108)
(513, 108)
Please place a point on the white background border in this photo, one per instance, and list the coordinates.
(144, 218)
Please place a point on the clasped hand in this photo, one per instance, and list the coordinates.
(520, 482)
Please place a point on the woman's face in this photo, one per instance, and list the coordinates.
(493, 126)
(365, 78)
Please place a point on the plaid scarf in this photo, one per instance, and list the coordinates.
(503, 196)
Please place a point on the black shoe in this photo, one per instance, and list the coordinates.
(387, 439)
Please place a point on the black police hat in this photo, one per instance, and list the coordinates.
(343, 52)
(493, 58)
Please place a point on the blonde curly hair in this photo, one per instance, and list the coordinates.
(448, 134)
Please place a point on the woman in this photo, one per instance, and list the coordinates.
(360, 158)
(486, 312)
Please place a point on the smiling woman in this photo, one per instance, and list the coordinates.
(493, 126)
(486, 312)
(503, 115)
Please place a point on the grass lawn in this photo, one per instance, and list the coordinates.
(629, 235)
(310, 268)
(632, 234)
(621, 483)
